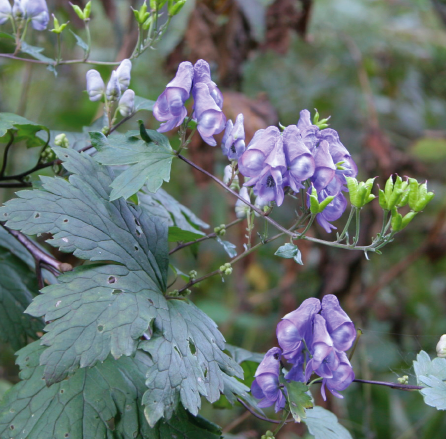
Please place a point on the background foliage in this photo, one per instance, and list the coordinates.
(379, 69)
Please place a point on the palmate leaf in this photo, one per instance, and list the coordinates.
(22, 129)
(431, 375)
(18, 285)
(299, 399)
(186, 349)
(150, 162)
(101, 309)
(323, 424)
(99, 402)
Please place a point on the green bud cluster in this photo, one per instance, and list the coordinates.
(226, 269)
(157, 4)
(175, 6)
(399, 194)
(220, 230)
(62, 140)
(176, 293)
(141, 14)
(403, 380)
(47, 155)
(82, 14)
(58, 28)
(360, 192)
(193, 274)
(321, 124)
(315, 206)
(268, 435)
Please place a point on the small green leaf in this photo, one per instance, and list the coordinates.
(80, 42)
(7, 36)
(287, 251)
(22, 129)
(36, 52)
(298, 399)
(142, 104)
(229, 247)
(176, 234)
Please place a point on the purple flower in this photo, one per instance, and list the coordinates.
(296, 327)
(5, 11)
(123, 74)
(95, 85)
(339, 325)
(207, 113)
(127, 103)
(299, 160)
(169, 106)
(325, 168)
(308, 132)
(266, 383)
(265, 163)
(342, 377)
(113, 90)
(202, 74)
(333, 211)
(233, 142)
(37, 11)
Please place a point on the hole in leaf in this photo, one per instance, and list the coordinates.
(205, 373)
(136, 248)
(100, 328)
(37, 215)
(138, 233)
(151, 301)
(116, 291)
(67, 435)
(65, 220)
(137, 222)
(192, 347)
(11, 427)
(62, 391)
(5, 214)
(111, 279)
(178, 351)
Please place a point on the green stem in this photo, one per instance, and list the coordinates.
(59, 49)
(358, 226)
(87, 30)
(347, 225)
(302, 234)
(316, 380)
(24, 30)
(358, 335)
(284, 420)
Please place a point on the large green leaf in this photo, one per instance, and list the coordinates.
(99, 402)
(143, 104)
(323, 424)
(431, 375)
(18, 285)
(150, 162)
(299, 399)
(22, 129)
(186, 349)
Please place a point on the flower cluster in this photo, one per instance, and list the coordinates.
(313, 339)
(117, 88)
(274, 162)
(35, 11)
(208, 101)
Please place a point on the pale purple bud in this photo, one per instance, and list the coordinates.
(233, 142)
(113, 91)
(169, 106)
(127, 103)
(123, 74)
(95, 85)
(202, 73)
(37, 11)
(325, 168)
(5, 11)
(207, 113)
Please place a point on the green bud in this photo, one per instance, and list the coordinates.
(382, 200)
(174, 9)
(315, 117)
(403, 380)
(407, 219)
(105, 130)
(58, 28)
(62, 140)
(193, 274)
(79, 11)
(148, 22)
(173, 293)
(389, 187)
(228, 271)
(396, 220)
(87, 10)
(315, 206)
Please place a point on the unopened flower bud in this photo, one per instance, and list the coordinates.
(123, 74)
(113, 92)
(62, 140)
(95, 85)
(193, 274)
(403, 380)
(5, 11)
(175, 8)
(127, 103)
(37, 12)
(441, 347)
(17, 10)
(241, 208)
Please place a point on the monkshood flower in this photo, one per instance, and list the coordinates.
(169, 106)
(37, 12)
(113, 90)
(265, 163)
(126, 104)
(233, 142)
(342, 377)
(334, 210)
(241, 208)
(210, 119)
(202, 74)
(266, 384)
(339, 325)
(325, 168)
(5, 11)
(300, 162)
(308, 131)
(123, 74)
(95, 85)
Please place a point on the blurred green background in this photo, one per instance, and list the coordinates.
(378, 67)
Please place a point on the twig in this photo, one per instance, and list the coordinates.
(204, 238)
(5, 155)
(263, 418)
(41, 259)
(391, 385)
